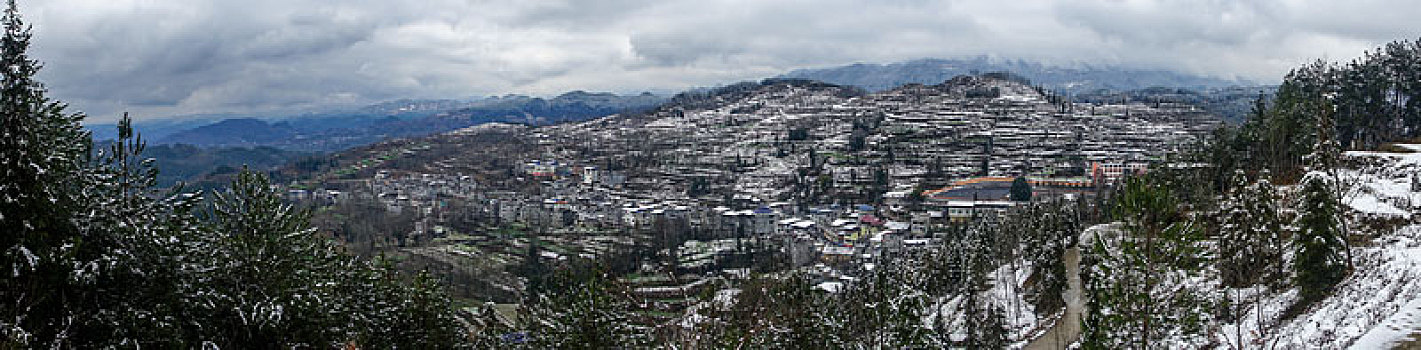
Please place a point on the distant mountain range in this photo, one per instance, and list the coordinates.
(343, 128)
(340, 129)
(881, 77)
(572, 106)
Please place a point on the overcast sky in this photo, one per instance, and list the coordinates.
(159, 58)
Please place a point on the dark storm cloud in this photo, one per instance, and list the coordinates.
(201, 56)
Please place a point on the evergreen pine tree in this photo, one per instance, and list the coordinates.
(142, 238)
(1249, 232)
(885, 308)
(42, 154)
(582, 309)
(95, 256)
(1321, 257)
(985, 322)
(1319, 261)
(1137, 278)
(269, 290)
(1049, 229)
(272, 281)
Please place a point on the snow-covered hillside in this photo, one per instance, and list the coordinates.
(1379, 305)
(1388, 190)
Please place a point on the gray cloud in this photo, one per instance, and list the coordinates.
(205, 56)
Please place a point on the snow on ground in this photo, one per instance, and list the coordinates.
(1385, 185)
(1395, 329)
(1267, 309)
(1379, 191)
(950, 308)
(1374, 204)
(1385, 281)
(1379, 304)
(1398, 291)
(1376, 305)
(1007, 293)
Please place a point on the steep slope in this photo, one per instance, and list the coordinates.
(1384, 296)
(1377, 305)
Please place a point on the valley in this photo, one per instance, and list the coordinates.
(914, 175)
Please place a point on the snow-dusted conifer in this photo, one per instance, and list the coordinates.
(136, 250)
(42, 153)
(1137, 278)
(1249, 232)
(271, 280)
(583, 309)
(1320, 245)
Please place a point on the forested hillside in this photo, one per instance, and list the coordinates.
(980, 211)
(96, 257)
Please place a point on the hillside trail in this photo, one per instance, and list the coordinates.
(1068, 328)
(1411, 344)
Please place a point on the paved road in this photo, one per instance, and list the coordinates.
(1068, 328)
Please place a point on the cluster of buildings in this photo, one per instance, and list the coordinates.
(834, 182)
(782, 142)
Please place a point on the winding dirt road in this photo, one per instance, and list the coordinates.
(1068, 328)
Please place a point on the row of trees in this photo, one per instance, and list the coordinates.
(1369, 101)
(95, 256)
(1320, 109)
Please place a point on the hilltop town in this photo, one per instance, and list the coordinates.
(751, 178)
(1099, 177)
